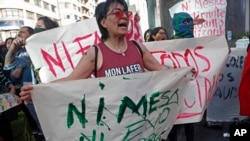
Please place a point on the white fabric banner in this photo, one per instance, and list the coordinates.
(58, 51)
(131, 107)
(208, 56)
(213, 11)
(224, 105)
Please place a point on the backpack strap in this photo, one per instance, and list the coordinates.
(96, 55)
(138, 47)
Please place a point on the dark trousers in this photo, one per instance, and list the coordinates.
(176, 132)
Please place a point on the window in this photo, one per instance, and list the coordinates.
(15, 12)
(74, 6)
(38, 16)
(66, 17)
(37, 2)
(11, 33)
(53, 8)
(67, 5)
(46, 5)
(76, 17)
(20, 13)
(11, 13)
(61, 5)
(30, 15)
(27, 0)
(8, 12)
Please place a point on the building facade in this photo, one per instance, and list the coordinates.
(17, 13)
(74, 10)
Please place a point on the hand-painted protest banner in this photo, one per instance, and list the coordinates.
(224, 105)
(7, 101)
(121, 108)
(57, 53)
(213, 11)
(208, 56)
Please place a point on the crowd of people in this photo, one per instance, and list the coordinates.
(17, 73)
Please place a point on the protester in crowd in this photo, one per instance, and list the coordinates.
(17, 64)
(20, 65)
(45, 23)
(8, 42)
(147, 34)
(17, 59)
(5, 48)
(183, 25)
(4, 51)
(157, 34)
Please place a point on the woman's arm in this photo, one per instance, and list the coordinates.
(83, 69)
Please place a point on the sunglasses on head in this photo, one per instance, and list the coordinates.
(119, 13)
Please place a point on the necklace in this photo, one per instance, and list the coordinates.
(123, 53)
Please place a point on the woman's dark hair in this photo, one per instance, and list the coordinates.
(146, 32)
(49, 23)
(10, 38)
(155, 31)
(101, 12)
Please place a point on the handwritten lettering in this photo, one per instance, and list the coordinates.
(236, 62)
(88, 138)
(190, 58)
(148, 107)
(226, 92)
(57, 61)
(80, 115)
(214, 20)
(227, 77)
(209, 3)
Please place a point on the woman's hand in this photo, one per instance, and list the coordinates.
(137, 17)
(26, 93)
